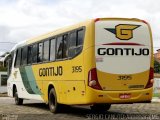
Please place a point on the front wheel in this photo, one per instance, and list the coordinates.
(53, 104)
(18, 101)
(100, 107)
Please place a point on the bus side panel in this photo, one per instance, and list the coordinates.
(67, 78)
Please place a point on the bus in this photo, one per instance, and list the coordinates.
(97, 62)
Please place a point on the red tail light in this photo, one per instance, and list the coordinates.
(150, 80)
(144, 21)
(97, 19)
(93, 80)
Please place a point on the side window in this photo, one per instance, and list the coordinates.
(18, 58)
(34, 53)
(4, 80)
(65, 46)
(30, 51)
(24, 56)
(72, 44)
(40, 52)
(52, 49)
(76, 39)
(80, 36)
(46, 51)
(59, 48)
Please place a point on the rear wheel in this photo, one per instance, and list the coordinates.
(18, 101)
(54, 106)
(100, 107)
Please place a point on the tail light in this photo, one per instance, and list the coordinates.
(93, 80)
(150, 80)
(144, 21)
(97, 19)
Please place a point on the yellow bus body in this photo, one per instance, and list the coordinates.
(73, 88)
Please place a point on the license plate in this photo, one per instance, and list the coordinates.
(125, 96)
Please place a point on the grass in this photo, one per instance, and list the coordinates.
(156, 95)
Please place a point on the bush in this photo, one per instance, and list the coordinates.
(3, 69)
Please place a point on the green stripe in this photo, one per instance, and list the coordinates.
(29, 80)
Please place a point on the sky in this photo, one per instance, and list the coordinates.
(24, 19)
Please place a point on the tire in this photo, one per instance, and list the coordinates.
(18, 101)
(100, 107)
(54, 106)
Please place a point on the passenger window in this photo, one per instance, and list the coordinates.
(76, 39)
(46, 51)
(52, 49)
(80, 36)
(65, 46)
(24, 56)
(30, 50)
(34, 53)
(72, 44)
(72, 39)
(18, 58)
(40, 52)
(59, 47)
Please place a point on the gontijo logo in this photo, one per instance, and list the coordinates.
(123, 31)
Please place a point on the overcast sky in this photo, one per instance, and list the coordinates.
(24, 19)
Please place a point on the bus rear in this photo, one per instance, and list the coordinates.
(124, 61)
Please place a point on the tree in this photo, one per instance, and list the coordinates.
(3, 68)
(156, 67)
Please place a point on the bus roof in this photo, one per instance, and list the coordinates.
(65, 29)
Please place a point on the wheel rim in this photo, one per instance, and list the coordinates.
(16, 98)
(52, 101)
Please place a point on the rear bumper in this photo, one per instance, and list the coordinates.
(137, 96)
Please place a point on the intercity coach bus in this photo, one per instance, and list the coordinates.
(98, 62)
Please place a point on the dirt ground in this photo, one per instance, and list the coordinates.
(3, 94)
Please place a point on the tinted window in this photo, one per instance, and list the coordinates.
(72, 44)
(46, 51)
(34, 53)
(59, 47)
(65, 48)
(72, 39)
(40, 52)
(80, 37)
(75, 43)
(52, 49)
(18, 58)
(4, 80)
(24, 56)
(30, 50)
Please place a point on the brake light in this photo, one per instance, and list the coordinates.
(93, 80)
(144, 21)
(97, 19)
(150, 80)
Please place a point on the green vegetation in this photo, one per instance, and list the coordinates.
(156, 67)
(156, 95)
(3, 68)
